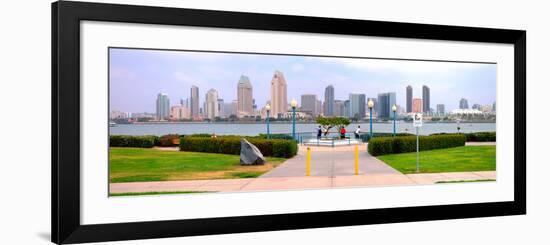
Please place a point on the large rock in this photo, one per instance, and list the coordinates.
(250, 154)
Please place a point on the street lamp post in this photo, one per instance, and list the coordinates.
(370, 104)
(293, 104)
(394, 109)
(268, 109)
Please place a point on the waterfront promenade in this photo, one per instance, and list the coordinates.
(330, 168)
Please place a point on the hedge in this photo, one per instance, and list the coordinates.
(146, 141)
(169, 140)
(365, 137)
(275, 136)
(390, 145)
(481, 137)
(232, 145)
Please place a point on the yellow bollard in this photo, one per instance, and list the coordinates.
(356, 160)
(308, 162)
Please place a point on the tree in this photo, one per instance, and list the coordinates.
(330, 122)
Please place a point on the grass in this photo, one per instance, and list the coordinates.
(141, 164)
(154, 193)
(463, 181)
(457, 159)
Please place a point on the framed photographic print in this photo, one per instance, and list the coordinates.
(176, 122)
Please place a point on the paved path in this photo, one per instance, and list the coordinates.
(330, 162)
(331, 168)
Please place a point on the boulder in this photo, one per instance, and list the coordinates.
(250, 154)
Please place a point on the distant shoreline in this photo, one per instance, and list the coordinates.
(288, 122)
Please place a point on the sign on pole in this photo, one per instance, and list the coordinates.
(417, 123)
(417, 120)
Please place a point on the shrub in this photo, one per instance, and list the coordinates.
(169, 140)
(365, 137)
(232, 145)
(481, 137)
(275, 136)
(401, 144)
(146, 141)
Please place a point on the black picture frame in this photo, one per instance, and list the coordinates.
(66, 18)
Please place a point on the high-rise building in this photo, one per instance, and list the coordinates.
(279, 101)
(357, 105)
(163, 107)
(463, 104)
(375, 107)
(385, 103)
(309, 103)
(194, 103)
(425, 99)
(417, 105)
(318, 107)
(440, 109)
(409, 98)
(329, 101)
(245, 103)
(179, 112)
(221, 107)
(338, 108)
(346, 108)
(211, 104)
(476, 107)
(494, 109)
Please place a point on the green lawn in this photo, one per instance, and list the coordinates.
(457, 159)
(142, 164)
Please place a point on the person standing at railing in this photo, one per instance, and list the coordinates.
(319, 132)
(357, 131)
(342, 132)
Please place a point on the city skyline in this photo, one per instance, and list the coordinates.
(136, 75)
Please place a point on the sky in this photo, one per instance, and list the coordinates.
(136, 76)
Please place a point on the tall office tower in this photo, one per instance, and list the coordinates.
(221, 111)
(309, 103)
(409, 99)
(211, 104)
(338, 108)
(329, 101)
(426, 99)
(440, 109)
(417, 105)
(245, 105)
(318, 107)
(385, 103)
(463, 104)
(494, 109)
(279, 101)
(375, 107)
(346, 108)
(357, 106)
(163, 107)
(194, 103)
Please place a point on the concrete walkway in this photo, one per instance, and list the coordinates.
(331, 168)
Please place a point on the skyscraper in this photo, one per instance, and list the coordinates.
(279, 101)
(385, 103)
(309, 103)
(211, 104)
(245, 104)
(163, 107)
(221, 107)
(329, 101)
(417, 105)
(338, 108)
(463, 104)
(194, 103)
(409, 98)
(425, 99)
(440, 109)
(346, 108)
(357, 105)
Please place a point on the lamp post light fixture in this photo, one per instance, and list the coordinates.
(394, 109)
(268, 109)
(370, 104)
(293, 104)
